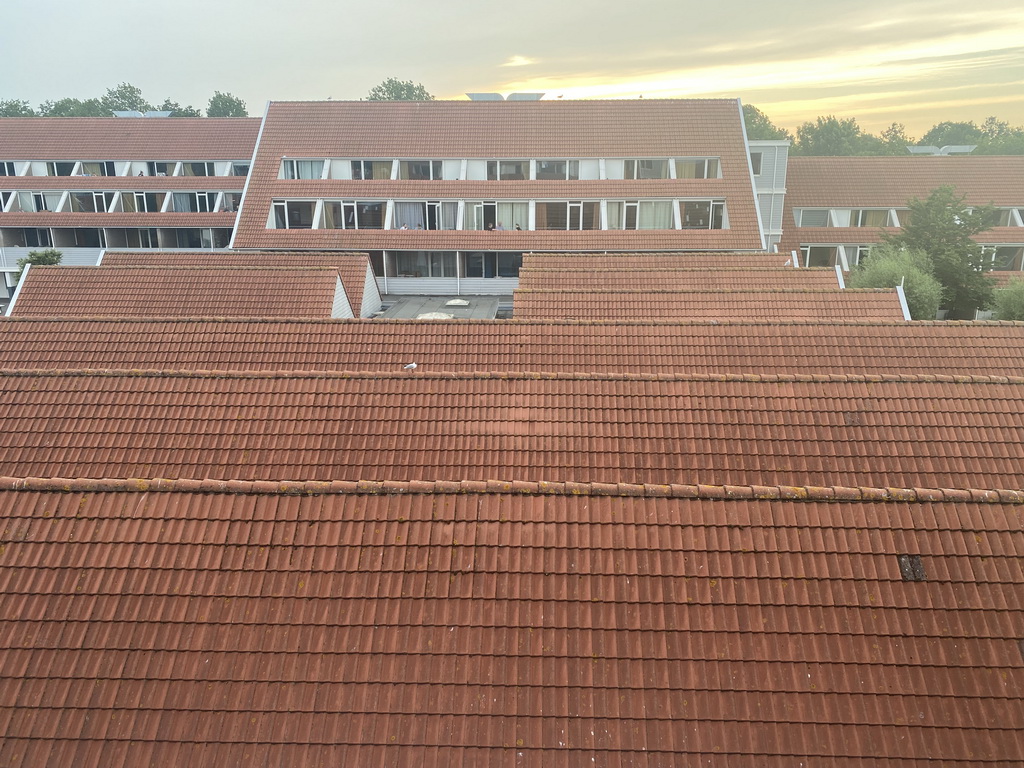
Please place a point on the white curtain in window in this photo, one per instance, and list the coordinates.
(410, 216)
(449, 215)
(182, 201)
(615, 214)
(511, 214)
(655, 215)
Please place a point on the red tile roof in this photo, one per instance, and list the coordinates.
(592, 304)
(740, 627)
(169, 219)
(115, 138)
(637, 261)
(729, 278)
(176, 292)
(455, 129)
(763, 430)
(351, 266)
(111, 183)
(726, 346)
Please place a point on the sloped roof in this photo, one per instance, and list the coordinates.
(730, 278)
(116, 138)
(594, 304)
(351, 266)
(178, 624)
(465, 129)
(637, 261)
(642, 347)
(911, 431)
(170, 219)
(176, 292)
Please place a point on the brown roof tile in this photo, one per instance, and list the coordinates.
(115, 138)
(647, 261)
(910, 431)
(176, 292)
(956, 348)
(626, 279)
(440, 629)
(593, 304)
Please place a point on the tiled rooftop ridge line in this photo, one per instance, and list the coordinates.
(512, 488)
(193, 267)
(715, 291)
(505, 375)
(741, 322)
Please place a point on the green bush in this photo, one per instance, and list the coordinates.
(887, 267)
(1009, 300)
(48, 257)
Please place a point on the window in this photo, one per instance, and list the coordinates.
(194, 202)
(160, 169)
(39, 201)
(702, 214)
(419, 170)
(240, 169)
(911, 568)
(4, 199)
(645, 169)
(142, 238)
(572, 214)
(558, 170)
(231, 201)
(193, 238)
(142, 202)
(293, 214)
(7, 168)
(424, 264)
(755, 162)
(99, 169)
(1006, 258)
(869, 218)
(695, 168)
(38, 238)
(432, 214)
(819, 255)
(643, 214)
(198, 169)
(302, 169)
(808, 217)
(92, 202)
(507, 170)
(60, 168)
(366, 170)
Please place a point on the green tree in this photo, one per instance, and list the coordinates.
(946, 133)
(759, 127)
(125, 97)
(73, 108)
(834, 137)
(177, 110)
(888, 266)
(895, 139)
(941, 226)
(225, 105)
(1008, 301)
(48, 257)
(393, 89)
(16, 108)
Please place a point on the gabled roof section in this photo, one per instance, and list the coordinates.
(600, 347)
(351, 266)
(887, 182)
(176, 292)
(740, 304)
(438, 628)
(905, 431)
(115, 138)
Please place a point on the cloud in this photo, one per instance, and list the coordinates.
(519, 61)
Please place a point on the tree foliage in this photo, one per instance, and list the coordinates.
(760, 128)
(1008, 301)
(888, 266)
(73, 108)
(16, 108)
(225, 105)
(941, 227)
(48, 257)
(834, 136)
(124, 98)
(177, 110)
(394, 89)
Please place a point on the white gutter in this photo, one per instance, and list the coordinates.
(839, 277)
(750, 177)
(903, 302)
(17, 291)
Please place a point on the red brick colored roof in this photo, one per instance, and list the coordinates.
(593, 304)
(111, 183)
(351, 266)
(726, 346)
(1002, 278)
(176, 292)
(170, 219)
(637, 261)
(456, 129)
(890, 182)
(909, 431)
(433, 627)
(733, 278)
(115, 138)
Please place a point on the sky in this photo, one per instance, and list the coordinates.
(911, 62)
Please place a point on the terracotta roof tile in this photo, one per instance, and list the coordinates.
(171, 219)
(265, 628)
(626, 279)
(641, 347)
(908, 431)
(647, 261)
(455, 129)
(593, 304)
(115, 138)
(176, 292)
(351, 266)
